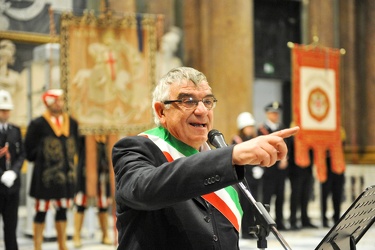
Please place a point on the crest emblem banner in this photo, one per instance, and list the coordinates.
(316, 107)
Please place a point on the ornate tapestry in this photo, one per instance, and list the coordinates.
(316, 107)
(108, 71)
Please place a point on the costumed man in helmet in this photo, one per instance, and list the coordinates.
(81, 199)
(12, 156)
(51, 142)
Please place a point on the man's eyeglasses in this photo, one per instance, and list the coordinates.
(190, 103)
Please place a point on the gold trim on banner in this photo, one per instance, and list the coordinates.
(315, 44)
(28, 37)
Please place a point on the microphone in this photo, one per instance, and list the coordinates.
(264, 221)
(216, 138)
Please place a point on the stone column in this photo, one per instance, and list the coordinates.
(321, 22)
(116, 6)
(219, 42)
(348, 83)
(165, 8)
(369, 72)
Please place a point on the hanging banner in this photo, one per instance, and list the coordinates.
(316, 107)
(108, 71)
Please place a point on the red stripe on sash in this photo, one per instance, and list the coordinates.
(215, 201)
(220, 205)
(168, 156)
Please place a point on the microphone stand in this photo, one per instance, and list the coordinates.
(265, 223)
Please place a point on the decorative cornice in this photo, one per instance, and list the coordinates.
(28, 37)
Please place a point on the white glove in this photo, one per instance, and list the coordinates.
(8, 178)
(258, 172)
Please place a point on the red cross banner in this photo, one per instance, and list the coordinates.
(111, 63)
(316, 107)
(108, 71)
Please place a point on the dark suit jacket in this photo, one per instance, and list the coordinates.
(17, 154)
(158, 203)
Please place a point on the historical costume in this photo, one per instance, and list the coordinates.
(51, 142)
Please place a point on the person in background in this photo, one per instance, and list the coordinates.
(12, 156)
(247, 131)
(172, 191)
(102, 200)
(273, 179)
(334, 187)
(301, 181)
(51, 143)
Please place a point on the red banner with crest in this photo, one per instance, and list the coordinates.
(316, 107)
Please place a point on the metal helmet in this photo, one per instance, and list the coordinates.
(245, 119)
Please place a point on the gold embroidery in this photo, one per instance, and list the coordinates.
(55, 172)
(53, 162)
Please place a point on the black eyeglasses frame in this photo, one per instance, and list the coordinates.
(190, 102)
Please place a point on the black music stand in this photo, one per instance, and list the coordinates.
(353, 224)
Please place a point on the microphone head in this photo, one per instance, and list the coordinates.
(216, 139)
(212, 134)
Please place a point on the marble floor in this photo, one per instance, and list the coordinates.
(305, 239)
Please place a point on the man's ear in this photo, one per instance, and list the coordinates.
(159, 109)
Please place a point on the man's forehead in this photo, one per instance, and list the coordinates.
(189, 85)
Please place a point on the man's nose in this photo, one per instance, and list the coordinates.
(200, 107)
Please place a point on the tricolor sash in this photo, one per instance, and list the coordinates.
(224, 200)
